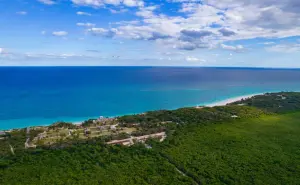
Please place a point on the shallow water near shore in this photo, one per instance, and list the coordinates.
(32, 96)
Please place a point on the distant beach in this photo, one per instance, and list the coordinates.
(232, 100)
(218, 103)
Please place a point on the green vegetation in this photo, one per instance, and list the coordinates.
(275, 102)
(91, 164)
(62, 124)
(88, 123)
(250, 144)
(263, 150)
(190, 115)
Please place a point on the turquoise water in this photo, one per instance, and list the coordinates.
(31, 96)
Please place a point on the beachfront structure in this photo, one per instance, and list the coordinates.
(2, 135)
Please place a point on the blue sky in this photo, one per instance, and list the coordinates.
(244, 33)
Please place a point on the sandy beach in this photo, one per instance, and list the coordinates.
(231, 100)
(219, 103)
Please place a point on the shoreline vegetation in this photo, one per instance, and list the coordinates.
(254, 140)
(232, 100)
(217, 103)
(126, 129)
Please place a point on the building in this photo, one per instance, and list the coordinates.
(2, 133)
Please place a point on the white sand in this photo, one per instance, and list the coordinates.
(231, 100)
(77, 122)
(219, 103)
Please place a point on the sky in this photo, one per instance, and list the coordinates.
(222, 33)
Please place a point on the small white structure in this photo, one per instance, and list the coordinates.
(234, 116)
(282, 97)
(113, 127)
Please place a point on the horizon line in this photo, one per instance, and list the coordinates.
(231, 67)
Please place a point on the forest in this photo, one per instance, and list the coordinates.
(254, 141)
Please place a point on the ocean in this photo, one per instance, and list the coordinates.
(32, 96)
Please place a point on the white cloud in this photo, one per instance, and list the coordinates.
(83, 13)
(118, 11)
(234, 20)
(129, 32)
(188, 7)
(193, 59)
(21, 13)
(86, 24)
(32, 55)
(227, 32)
(59, 33)
(146, 12)
(47, 2)
(268, 43)
(126, 22)
(102, 32)
(284, 48)
(238, 48)
(4, 52)
(184, 1)
(132, 3)
(100, 3)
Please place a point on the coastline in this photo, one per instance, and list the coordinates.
(231, 100)
(216, 103)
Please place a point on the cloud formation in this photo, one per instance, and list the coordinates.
(87, 24)
(284, 48)
(193, 59)
(195, 26)
(21, 13)
(226, 32)
(238, 48)
(59, 33)
(235, 20)
(47, 2)
(101, 3)
(84, 13)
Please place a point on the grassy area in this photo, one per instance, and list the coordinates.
(264, 150)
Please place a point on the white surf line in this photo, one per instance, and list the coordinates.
(232, 100)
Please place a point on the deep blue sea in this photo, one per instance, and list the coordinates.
(32, 96)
